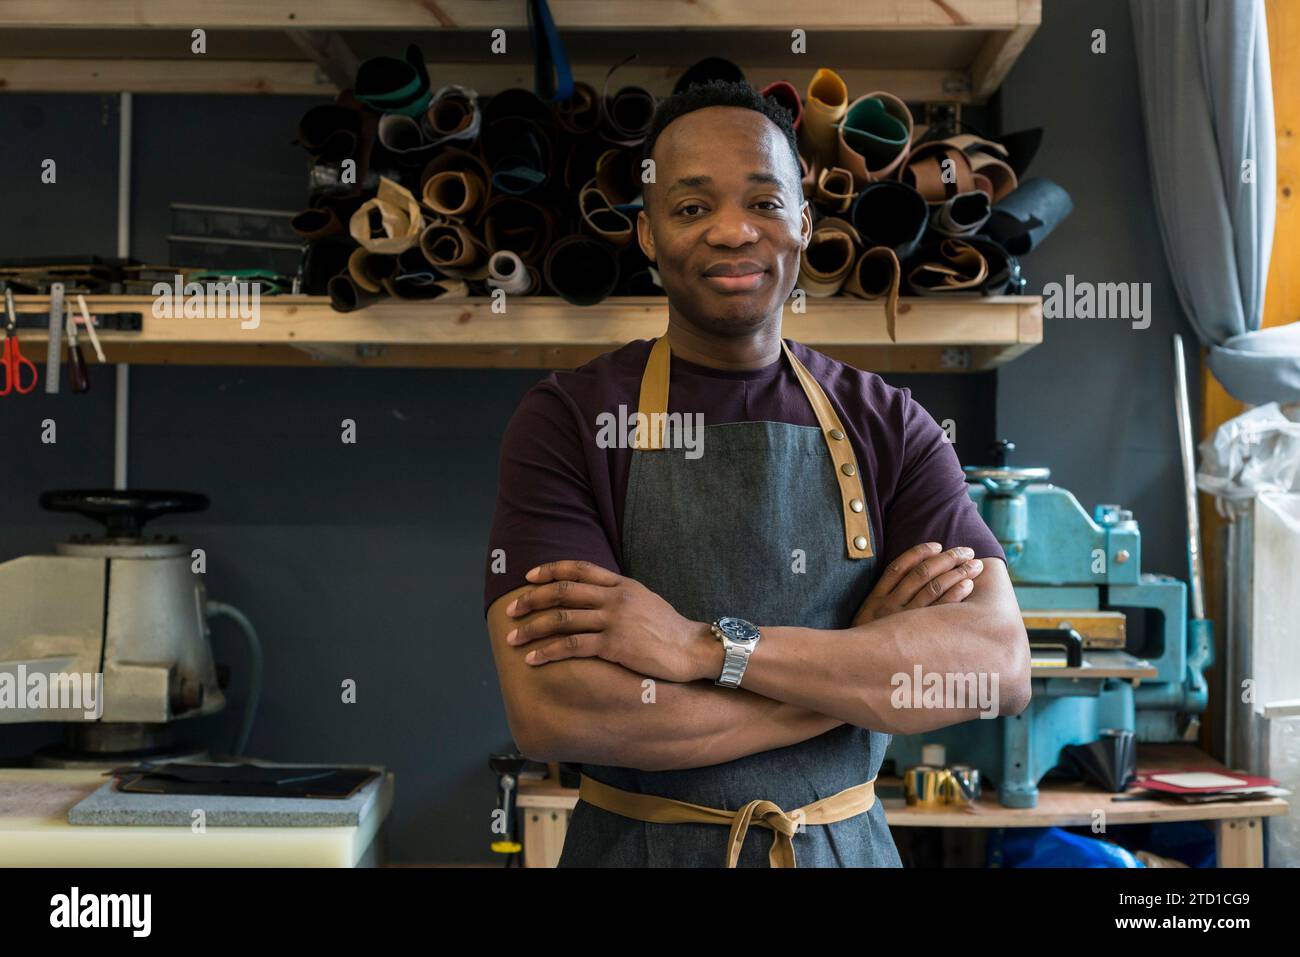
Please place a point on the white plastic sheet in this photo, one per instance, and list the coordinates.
(1258, 451)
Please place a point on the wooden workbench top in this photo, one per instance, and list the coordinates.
(1059, 804)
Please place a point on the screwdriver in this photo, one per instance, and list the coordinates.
(78, 380)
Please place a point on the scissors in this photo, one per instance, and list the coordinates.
(13, 361)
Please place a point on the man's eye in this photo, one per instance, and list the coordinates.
(768, 204)
(690, 209)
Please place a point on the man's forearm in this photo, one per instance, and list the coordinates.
(602, 713)
(974, 650)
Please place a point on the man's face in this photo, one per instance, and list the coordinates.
(725, 221)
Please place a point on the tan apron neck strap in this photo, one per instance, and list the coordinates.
(853, 503)
(654, 396)
(652, 405)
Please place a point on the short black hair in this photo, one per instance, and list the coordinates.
(698, 96)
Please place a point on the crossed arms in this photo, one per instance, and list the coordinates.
(596, 668)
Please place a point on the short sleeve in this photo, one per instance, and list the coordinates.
(931, 501)
(546, 506)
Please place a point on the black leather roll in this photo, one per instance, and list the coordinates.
(1021, 146)
(517, 225)
(346, 296)
(707, 71)
(636, 274)
(330, 132)
(890, 213)
(581, 269)
(324, 259)
(1028, 215)
(581, 112)
(518, 141)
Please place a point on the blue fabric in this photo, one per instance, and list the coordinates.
(552, 78)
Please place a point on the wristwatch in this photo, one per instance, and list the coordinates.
(739, 638)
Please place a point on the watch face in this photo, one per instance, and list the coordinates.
(737, 629)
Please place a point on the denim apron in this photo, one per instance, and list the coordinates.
(723, 534)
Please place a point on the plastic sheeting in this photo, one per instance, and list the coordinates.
(1258, 451)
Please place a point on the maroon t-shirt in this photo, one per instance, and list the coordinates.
(560, 494)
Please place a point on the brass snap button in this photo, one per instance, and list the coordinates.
(836, 434)
(848, 469)
(860, 543)
(856, 505)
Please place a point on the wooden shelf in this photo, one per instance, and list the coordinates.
(958, 50)
(966, 334)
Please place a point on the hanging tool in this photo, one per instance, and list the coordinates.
(90, 328)
(1200, 630)
(78, 381)
(17, 372)
(54, 345)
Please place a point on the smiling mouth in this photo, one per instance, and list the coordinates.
(735, 277)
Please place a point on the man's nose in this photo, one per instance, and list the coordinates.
(732, 227)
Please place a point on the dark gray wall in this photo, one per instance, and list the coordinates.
(365, 561)
(1095, 401)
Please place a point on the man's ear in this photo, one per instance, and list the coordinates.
(805, 224)
(644, 235)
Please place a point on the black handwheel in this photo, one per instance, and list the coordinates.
(122, 511)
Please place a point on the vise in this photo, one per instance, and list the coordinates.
(1132, 661)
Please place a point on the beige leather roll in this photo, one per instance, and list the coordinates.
(368, 269)
(808, 171)
(454, 251)
(457, 194)
(954, 266)
(835, 189)
(390, 222)
(874, 137)
(829, 257)
(601, 218)
(962, 215)
(877, 274)
(825, 104)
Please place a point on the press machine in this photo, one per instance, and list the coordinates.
(1132, 659)
(124, 605)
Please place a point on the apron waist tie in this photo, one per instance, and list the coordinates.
(661, 810)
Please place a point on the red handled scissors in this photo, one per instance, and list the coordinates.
(14, 366)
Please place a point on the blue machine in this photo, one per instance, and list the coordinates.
(1142, 666)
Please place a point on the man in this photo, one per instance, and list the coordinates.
(709, 628)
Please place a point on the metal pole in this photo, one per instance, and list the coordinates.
(121, 408)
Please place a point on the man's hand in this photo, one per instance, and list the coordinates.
(923, 575)
(590, 612)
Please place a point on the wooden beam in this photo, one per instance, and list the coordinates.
(510, 14)
(210, 75)
(1001, 50)
(196, 75)
(545, 332)
(330, 52)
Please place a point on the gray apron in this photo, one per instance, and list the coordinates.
(717, 536)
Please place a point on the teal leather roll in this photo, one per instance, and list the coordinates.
(390, 85)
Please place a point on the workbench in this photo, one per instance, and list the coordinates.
(34, 832)
(544, 808)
